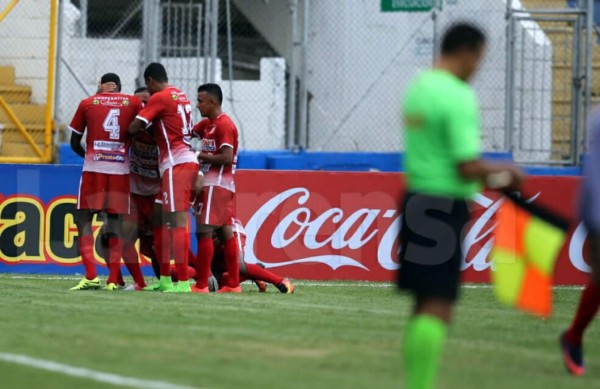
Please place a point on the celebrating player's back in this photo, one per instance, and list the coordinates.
(105, 179)
(169, 111)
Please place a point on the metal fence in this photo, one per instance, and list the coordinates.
(325, 75)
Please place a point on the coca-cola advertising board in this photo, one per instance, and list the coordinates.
(306, 225)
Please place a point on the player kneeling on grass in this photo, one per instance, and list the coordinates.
(215, 204)
(104, 184)
(248, 271)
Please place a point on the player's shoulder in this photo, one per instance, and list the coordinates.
(201, 125)
(224, 120)
(91, 100)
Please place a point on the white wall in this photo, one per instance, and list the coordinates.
(360, 61)
(24, 43)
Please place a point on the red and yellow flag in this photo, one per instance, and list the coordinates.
(527, 242)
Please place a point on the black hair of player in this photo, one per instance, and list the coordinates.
(111, 77)
(462, 36)
(140, 90)
(213, 90)
(157, 72)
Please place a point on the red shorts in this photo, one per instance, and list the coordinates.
(215, 206)
(141, 211)
(177, 187)
(104, 192)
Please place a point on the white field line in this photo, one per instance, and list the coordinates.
(89, 374)
(319, 284)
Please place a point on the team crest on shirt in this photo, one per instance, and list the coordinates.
(125, 102)
(174, 96)
(209, 145)
(95, 101)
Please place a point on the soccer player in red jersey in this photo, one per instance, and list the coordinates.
(104, 182)
(144, 187)
(169, 112)
(216, 202)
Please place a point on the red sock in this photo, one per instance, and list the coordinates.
(203, 261)
(191, 259)
(115, 251)
(231, 252)
(174, 274)
(131, 258)
(120, 279)
(181, 250)
(162, 248)
(243, 278)
(255, 272)
(86, 248)
(588, 306)
(192, 273)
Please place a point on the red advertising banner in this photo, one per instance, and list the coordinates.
(306, 225)
(330, 225)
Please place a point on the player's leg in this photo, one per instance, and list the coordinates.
(162, 249)
(204, 257)
(181, 179)
(571, 340)
(130, 254)
(231, 252)
(86, 249)
(114, 233)
(88, 200)
(432, 275)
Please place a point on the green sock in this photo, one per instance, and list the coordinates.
(423, 341)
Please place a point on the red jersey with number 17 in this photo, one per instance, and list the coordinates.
(170, 112)
(216, 134)
(106, 116)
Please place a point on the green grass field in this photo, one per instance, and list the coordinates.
(327, 335)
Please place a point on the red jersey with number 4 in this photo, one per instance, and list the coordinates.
(170, 112)
(215, 135)
(106, 116)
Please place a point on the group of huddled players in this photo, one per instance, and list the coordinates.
(142, 175)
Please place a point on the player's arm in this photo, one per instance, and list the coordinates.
(77, 128)
(225, 157)
(465, 145)
(144, 118)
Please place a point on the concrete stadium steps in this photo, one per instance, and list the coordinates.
(27, 113)
(16, 94)
(32, 116)
(12, 142)
(7, 75)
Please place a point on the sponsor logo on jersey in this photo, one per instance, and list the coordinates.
(209, 145)
(109, 157)
(104, 145)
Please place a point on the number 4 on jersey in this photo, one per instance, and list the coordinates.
(111, 123)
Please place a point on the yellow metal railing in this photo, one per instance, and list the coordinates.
(45, 155)
(8, 8)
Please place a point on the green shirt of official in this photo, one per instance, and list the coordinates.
(441, 130)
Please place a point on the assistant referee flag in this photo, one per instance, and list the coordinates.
(528, 239)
